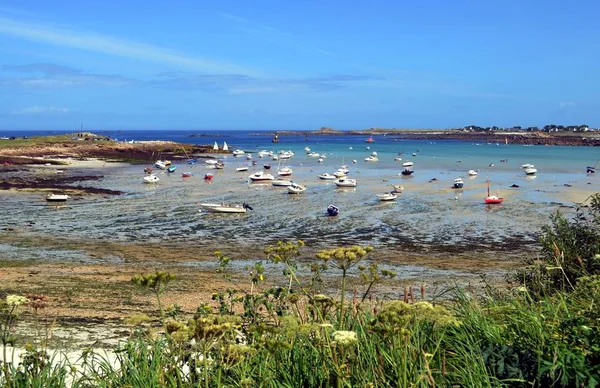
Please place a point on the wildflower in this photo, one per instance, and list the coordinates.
(344, 338)
(16, 300)
(522, 289)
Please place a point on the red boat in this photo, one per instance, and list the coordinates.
(491, 199)
(186, 174)
(209, 176)
(370, 140)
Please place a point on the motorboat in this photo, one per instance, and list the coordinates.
(260, 176)
(186, 174)
(148, 170)
(151, 179)
(387, 196)
(370, 140)
(238, 152)
(286, 171)
(407, 164)
(526, 165)
(332, 210)
(320, 160)
(472, 173)
(307, 149)
(208, 176)
(263, 153)
(160, 164)
(531, 170)
(267, 166)
(211, 162)
(397, 189)
(491, 199)
(225, 208)
(339, 174)
(407, 172)
(286, 155)
(171, 168)
(371, 158)
(398, 159)
(249, 156)
(295, 188)
(57, 197)
(281, 182)
(458, 183)
(345, 182)
(191, 161)
(241, 168)
(327, 177)
(344, 168)
(220, 165)
(313, 154)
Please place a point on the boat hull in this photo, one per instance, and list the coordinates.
(222, 208)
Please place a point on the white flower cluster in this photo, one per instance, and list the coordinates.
(16, 300)
(343, 337)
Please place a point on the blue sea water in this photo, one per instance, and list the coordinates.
(428, 215)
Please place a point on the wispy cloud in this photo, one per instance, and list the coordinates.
(46, 68)
(41, 111)
(69, 80)
(567, 104)
(113, 46)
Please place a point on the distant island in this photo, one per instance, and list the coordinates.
(575, 135)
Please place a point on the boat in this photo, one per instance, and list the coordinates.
(151, 179)
(167, 162)
(295, 188)
(186, 174)
(344, 168)
(191, 161)
(370, 140)
(241, 168)
(160, 164)
(531, 170)
(387, 196)
(220, 165)
(313, 154)
(260, 176)
(345, 182)
(172, 169)
(225, 147)
(148, 170)
(286, 171)
(320, 160)
(225, 208)
(211, 162)
(332, 210)
(406, 172)
(458, 183)
(398, 159)
(339, 174)
(286, 154)
(591, 170)
(216, 147)
(397, 189)
(327, 177)
(281, 182)
(307, 149)
(275, 139)
(57, 197)
(249, 156)
(491, 199)
(263, 153)
(472, 173)
(526, 165)
(371, 158)
(238, 152)
(267, 166)
(407, 164)
(208, 176)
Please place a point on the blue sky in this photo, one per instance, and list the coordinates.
(297, 65)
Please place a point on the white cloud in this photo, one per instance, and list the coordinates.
(41, 111)
(567, 104)
(112, 46)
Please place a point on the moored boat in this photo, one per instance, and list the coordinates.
(408, 163)
(531, 170)
(406, 172)
(57, 197)
(387, 196)
(397, 189)
(327, 177)
(260, 176)
(295, 188)
(225, 208)
(332, 210)
(151, 179)
(345, 182)
(491, 199)
(281, 182)
(186, 174)
(472, 173)
(458, 183)
(171, 168)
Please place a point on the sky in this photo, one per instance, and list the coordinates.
(277, 65)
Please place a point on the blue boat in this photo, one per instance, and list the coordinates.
(332, 210)
(171, 169)
(458, 183)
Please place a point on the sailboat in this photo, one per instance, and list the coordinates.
(491, 199)
(225, 148)
(592, 169)
(216, 147)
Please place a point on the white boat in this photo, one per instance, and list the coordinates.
(249, 156)
(286, 171)
(238, 153)
(160, 164)
(397, 189)
(472, 173)
(371, 158)
(313, 154)
(216, 147)
(327, 177)
(531, 170)
(398, 159)
(458, 183)
(339, 174)
(225, 148)
(387, 196)
(285, 155)
(320, 160)
(57, 197)
(224, 208)
(281, 182)
(220, 165)
(151, 179)
(263, 153)
(408, 163)
(241, 168)
(295, 188)
(344, 168)
(526, 166)
(307, 149)
(323, 156)
(211, 162)
(260, 176)
(345, 182)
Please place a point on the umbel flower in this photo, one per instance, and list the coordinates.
(16, 300)
(344, 338)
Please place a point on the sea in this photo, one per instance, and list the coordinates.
(429, 216)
